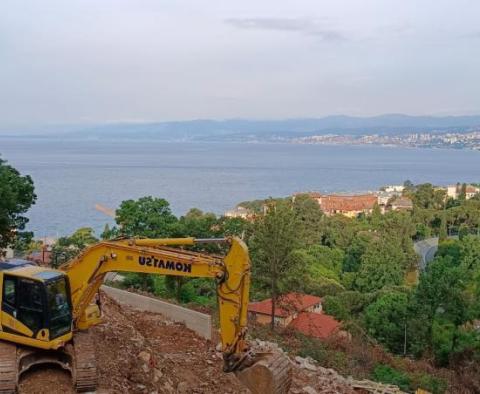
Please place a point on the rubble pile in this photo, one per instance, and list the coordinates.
(141, 352)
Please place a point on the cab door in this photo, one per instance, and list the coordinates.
(31, 311)
(22, 306)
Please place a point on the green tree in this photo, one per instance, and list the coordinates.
(148, 217)
(443, 234)
(321, 269)
(16, 197)
(66, 248)
(382, 264)
(310, 216)
(426, 196)
(386, 320)
(275, 238)
(463, 192)
(355, 251)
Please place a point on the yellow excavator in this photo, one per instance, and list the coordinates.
(46, 313)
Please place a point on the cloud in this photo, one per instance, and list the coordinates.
(307, 26)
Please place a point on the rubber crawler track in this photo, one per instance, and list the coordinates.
(8, 368)
(85, 372)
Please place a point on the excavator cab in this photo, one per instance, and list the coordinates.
(36, 306)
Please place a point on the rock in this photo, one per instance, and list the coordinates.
(309, 390)
(209, 362)
(157, 375)
(168, 387)
(182, 388)
(310, 367)
(305, 363)
(299, 359)
(218, 348)
(144, 356)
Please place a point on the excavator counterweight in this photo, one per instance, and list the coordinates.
(46, 313)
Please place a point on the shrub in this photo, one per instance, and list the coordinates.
(428, 382)
(385, 374)
(143, 282)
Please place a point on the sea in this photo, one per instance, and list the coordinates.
(72, 176)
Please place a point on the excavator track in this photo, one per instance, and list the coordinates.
(85, 370)
(8, 368)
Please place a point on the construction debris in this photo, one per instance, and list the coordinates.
(141, 352)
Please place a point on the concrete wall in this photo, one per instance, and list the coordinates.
(196, 321)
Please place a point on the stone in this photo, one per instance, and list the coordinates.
(182, 388)
(144, 356)
(157, 375)
(309, 390)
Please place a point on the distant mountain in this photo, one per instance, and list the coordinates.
(243, 129)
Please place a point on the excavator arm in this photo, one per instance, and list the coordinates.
(156, 256)
(261, 372)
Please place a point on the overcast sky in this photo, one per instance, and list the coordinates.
(76, 61)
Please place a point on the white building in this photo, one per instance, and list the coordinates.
(394, 188)
(453, 191)
(238, 212)
(8, 254)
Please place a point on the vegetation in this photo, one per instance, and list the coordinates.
(67, 248)
(365, 269)
(16, 197)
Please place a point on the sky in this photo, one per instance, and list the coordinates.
(103, 61)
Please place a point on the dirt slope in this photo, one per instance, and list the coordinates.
(144, 353)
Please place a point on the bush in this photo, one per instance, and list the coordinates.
(314, 349)
(143, 282)
(385, 374)
(428, 382)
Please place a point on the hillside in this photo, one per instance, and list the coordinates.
(144, 353)
(248, 129)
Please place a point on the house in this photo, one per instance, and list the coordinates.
(394, 188)
(41, 257)
(316, 325)
(239, 212)
(350, 206)
(454, 191)
(402, 204)
(471, 191)
(301, 312)
(383, 198)
(6, 254)
(286, 310)
(347, 205)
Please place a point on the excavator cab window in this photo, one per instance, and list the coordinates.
(60, 310)
(9, 304)
(30, 304)
(23, 299)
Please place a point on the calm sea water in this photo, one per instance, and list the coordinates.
(71, 177)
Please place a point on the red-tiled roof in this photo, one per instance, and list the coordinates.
(286, 305)
(40, 257)
(315, 324)
(312, 194)
(471, 189)
(335, 203)
(403, 202)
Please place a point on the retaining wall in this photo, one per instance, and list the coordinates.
(196, 321)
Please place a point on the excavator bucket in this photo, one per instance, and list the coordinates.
(271, 373)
